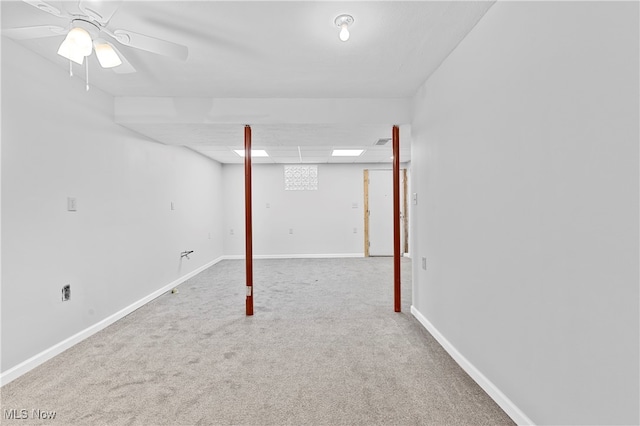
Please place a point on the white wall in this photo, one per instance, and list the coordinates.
(525, 159)
(322, 220)
(123, 243)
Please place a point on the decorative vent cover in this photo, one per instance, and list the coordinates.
(300, 178)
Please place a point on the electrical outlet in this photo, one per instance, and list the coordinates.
(231, 232)
(354, 205)
(290, 231)
(72, 204)
(424, 263)
(268, 205)
(66, 293)
(355, 230)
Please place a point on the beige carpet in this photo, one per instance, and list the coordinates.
(324, 348)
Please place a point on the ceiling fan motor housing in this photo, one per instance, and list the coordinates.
(90, 27)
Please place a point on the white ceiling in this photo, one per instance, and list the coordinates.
(267, 49)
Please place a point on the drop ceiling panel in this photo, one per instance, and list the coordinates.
(316, 152)
(287, 160)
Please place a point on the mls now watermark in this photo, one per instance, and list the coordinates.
(24, 414)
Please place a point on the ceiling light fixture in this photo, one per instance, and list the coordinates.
(347, 152)
(83, 29)
(68, 50)
(254, 152)
(343, 22)
(107, 57)
(77, 44)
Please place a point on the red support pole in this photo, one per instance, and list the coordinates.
(396, 218)
(247, 219)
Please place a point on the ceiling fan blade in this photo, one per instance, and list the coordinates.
(125, 67)
(152, 44)
(46, 7)
(26, 33)
(100, 10)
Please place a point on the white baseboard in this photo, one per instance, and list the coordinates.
(294, 256)
(36, 360)
(501, 399)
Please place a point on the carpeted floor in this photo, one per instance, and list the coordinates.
(323, 348)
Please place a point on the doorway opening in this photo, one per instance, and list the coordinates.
(378, 212)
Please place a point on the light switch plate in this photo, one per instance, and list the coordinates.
(72, 204)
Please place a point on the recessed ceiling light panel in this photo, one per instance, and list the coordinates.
(254, 153)
(347, 152)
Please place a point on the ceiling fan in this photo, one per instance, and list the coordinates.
(84, 34)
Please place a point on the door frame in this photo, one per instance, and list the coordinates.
(403, 213)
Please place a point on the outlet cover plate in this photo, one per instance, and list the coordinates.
(66, 293)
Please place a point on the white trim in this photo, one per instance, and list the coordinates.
(492, 390)
(38, 359)
(294, 256)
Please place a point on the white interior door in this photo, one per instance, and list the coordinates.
(380, 213)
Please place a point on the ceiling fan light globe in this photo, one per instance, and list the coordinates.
(80, 41)
(67, 50)
(107, 57)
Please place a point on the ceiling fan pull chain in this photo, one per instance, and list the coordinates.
(87, 74)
